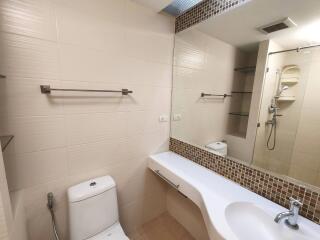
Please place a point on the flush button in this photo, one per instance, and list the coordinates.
(92, 184)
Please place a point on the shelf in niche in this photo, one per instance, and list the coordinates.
(286, 99)
(241, 114)
(290, 80)
(250, 69)
(5, 141)
(290, 74)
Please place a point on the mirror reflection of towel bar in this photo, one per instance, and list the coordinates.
(46, 89)
(215, 95)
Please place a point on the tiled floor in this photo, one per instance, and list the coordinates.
(164, 227)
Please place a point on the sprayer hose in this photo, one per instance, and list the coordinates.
(274, 131)
(54, 225)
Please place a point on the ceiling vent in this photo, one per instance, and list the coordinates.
(277, 26)
(177, 7)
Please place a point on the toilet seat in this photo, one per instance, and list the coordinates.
(115, 232)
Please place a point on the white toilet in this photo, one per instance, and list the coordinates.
(220, 148)
(93, 211)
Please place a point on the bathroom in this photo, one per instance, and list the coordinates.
(159, 119)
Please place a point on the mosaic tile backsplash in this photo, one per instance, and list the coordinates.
(205, 10)
(264, 184)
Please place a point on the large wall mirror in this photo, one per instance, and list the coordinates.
(247, 86)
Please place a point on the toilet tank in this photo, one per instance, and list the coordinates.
(93, 207)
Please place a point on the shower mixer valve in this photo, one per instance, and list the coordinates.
(273, 109)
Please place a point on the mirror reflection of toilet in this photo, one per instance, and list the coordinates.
(220, 148)
(93, 211)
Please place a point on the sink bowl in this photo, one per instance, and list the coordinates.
(250, 222)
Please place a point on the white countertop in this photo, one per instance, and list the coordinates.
(212, 193)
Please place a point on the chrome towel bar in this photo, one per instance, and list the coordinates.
(176, 186)
(46, 89)
(215, 95)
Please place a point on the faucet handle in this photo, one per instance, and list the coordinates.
(295, 202)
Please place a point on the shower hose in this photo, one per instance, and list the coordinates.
(274, 131)
(50, 207)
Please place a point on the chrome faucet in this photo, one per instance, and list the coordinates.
(291, 215)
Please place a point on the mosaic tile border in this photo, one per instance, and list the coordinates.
(264, 184)
(205, 10)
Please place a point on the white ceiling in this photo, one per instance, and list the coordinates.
(239, 26)
(156, 5)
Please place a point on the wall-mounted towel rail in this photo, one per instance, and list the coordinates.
(46, 89)
(250, 69)
(176, 186)
(215, 95)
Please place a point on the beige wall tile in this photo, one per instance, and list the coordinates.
(92, 65)
(136, 213)
(31, 18)
(89, 27)
(187, 214)
(43, 133)
(99, 127)
(23, 98)
(63, 139)
(111, 11)
(28, 57)
(141, 45)
(4, 235)
(29, 169)
(5, 213)
(92, 156)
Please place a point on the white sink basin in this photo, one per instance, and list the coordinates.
(249, 221)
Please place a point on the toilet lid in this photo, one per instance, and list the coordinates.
(115, 232)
